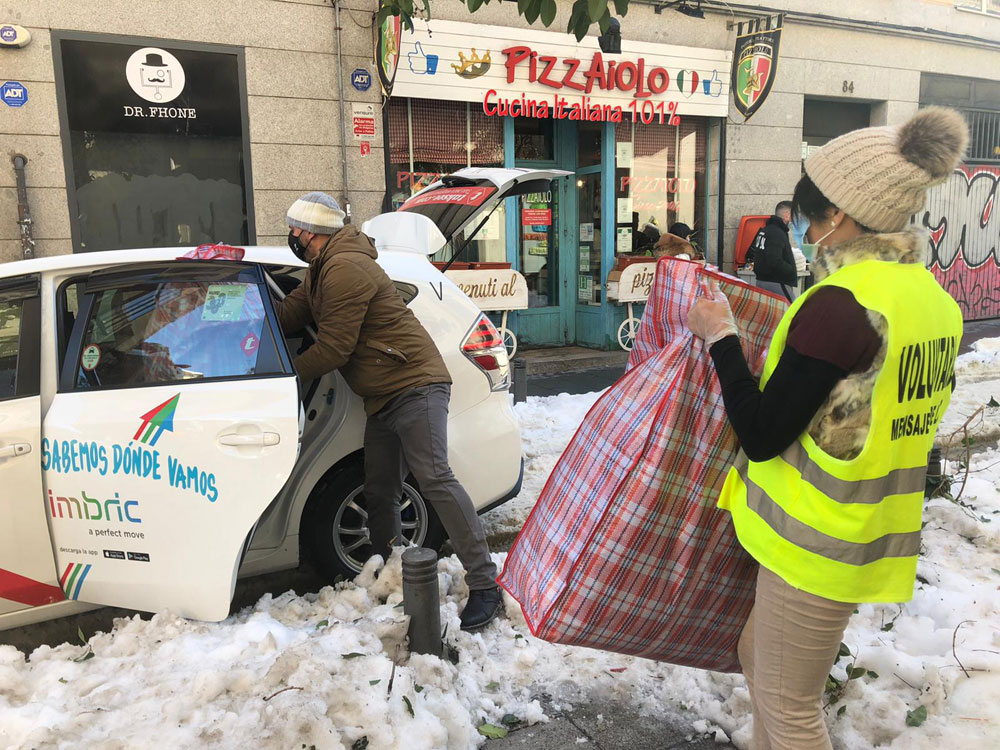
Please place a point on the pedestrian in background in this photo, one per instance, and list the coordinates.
(771, 254)
(829, 501)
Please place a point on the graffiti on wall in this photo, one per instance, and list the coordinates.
(964, 235)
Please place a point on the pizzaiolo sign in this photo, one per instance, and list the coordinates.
(570, 73)
(531, 73)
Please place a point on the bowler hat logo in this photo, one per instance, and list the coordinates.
(155, 75)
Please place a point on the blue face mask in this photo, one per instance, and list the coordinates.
(296, 246)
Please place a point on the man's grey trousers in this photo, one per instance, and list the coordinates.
(411, 431)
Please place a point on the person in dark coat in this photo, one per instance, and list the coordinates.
(366, 331)
(771, 254)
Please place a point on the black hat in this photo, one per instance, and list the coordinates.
(154, 60)
(680, 229)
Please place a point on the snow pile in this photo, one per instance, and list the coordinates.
(547, 425)
(316, 670)
(982, 362)
(977, 374)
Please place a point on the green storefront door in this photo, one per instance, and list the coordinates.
(541, 226)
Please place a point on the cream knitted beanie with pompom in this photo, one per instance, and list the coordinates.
(880, 176)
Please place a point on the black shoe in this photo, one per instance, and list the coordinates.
(483, 606)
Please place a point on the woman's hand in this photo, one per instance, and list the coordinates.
(710, 317)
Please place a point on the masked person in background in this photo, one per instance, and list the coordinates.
(858, 375)
(365, 330)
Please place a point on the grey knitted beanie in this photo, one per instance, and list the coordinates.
(316, 212)
(880, 176)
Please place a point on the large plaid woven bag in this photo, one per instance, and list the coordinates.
(625, 550)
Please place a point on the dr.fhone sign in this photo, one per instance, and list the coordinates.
(532, 73)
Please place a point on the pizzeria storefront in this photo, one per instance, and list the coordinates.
(635, 129)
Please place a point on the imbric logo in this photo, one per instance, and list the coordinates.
(155, 75)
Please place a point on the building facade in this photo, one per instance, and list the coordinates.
(156, 123)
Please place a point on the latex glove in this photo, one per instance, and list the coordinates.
(710, 317)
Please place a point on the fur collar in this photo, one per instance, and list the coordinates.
(909, 246)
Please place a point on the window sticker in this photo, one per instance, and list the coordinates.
(224, 302)
(249, 345)
(91, 357)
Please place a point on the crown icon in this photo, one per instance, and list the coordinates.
(472, 67)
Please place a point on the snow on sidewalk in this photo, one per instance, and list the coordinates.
(314, 670)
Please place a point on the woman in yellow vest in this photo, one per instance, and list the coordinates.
(838, 431)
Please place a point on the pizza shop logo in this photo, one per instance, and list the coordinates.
(614, 75)
(155, 75)
(156, 421)
(472, 67)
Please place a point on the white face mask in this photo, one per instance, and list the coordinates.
(820, 240)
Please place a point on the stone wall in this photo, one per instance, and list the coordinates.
(293, 91)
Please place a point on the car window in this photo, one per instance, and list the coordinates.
(10, 330)
(170, 331)
(68, 305)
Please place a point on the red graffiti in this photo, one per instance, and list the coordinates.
(964, 235)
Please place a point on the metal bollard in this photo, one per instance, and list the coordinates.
(421, 600)
(934, 476)
(520, 381)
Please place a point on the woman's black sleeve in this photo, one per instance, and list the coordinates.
(767, 422)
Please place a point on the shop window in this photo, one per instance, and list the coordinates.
(157, 151)
(430, 138)
(538, 244)
(978, 100)
(589, 207)
(589, 144)
(534, 139)
(982, 6)
(659, 180)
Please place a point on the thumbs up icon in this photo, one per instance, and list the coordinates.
(712, 87)
(422, 64)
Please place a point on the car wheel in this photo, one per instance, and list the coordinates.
(336, 526)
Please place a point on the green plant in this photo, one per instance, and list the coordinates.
(583, 15)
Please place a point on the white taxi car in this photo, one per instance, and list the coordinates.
(155, 441)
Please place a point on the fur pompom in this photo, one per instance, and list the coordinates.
(934, 139)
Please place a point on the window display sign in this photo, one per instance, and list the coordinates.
(499, 289)
(135, 88)
(536, 217)
(533, 73)
(156, 155)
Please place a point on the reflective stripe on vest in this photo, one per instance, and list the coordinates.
(849, 530)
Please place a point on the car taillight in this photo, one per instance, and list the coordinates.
(484, 347)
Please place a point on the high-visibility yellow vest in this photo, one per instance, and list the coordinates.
(849, 530)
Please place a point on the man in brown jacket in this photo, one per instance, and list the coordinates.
(365, 330)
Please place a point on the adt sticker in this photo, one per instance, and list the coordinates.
(14, 94)
(8, 34)
(361, 79)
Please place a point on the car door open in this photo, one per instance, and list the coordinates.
(27, 570)
(174, 426)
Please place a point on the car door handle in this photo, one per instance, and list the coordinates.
(17, 449)
(260, 439)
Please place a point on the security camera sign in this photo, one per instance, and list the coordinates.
(363, 121)
(14, 94)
